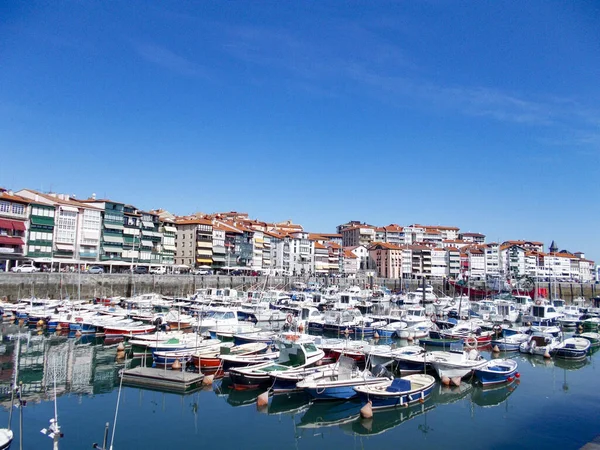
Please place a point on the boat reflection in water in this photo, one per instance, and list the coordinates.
(329, 414)
(291, 404)
(445, 395)
(386, 419)
(246, 397)
(494, 395)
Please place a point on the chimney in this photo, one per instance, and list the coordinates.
(94, 196)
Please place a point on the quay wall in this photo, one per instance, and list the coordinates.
(86, 286)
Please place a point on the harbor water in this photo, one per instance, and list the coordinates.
(554, 405)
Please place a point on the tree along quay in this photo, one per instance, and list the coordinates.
(73, 285)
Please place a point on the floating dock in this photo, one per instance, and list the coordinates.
(161, 379)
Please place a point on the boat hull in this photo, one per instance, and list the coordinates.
(402, 399)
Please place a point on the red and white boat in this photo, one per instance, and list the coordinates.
(127, 330)
(211, 361)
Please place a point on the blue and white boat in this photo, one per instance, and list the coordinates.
(398, 392)
(339, 383)
(575, 348)
(497, 371)
(389, 329)
(509, 343)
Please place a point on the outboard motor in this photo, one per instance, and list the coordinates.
(380, 371)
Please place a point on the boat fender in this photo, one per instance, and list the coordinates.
(517, 375)
(438, 301)
(510, 379)
(366, 412)
(497, 328)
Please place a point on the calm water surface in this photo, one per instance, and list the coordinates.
(555, 405)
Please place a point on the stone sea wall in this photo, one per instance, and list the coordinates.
(87, 286)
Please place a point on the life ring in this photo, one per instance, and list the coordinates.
(497, 328)
(289, 319)
(433, 318)
(471, 342)
(452, 302)
(538, 302)
(438, 301)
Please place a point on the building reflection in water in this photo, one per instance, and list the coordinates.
(82, 366)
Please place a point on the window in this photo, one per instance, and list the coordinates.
(4, 207)
(67, 222)
(19, 209)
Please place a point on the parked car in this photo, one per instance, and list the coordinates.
(158, 270)
(202, 272)
(96, 270)
(27, 267)
(140, 270)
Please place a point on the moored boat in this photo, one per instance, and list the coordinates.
(292, 355)
(339, 383)
(575, 348)
(398, 392)
(497, 371)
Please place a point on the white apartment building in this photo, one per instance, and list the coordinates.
(439, 266)
(513, 260)
(362, 254)
(492, 259)
(476, 263)
(293, 254)
(393, 234)
(350, 263)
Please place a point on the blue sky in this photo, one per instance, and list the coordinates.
(482, 115)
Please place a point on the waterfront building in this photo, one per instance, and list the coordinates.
(394, 234)
(453, 262)
(169, 233)
(132, 235)
(292, 254)
(335, 257)
(76, 237)
(151, 239)
(476, 263)
(351, 262)
(112, 225)
(321, 258)
(286, 227)
(513, 259)
(492, 259)
(475, 238)
(14, 214)
(258, 241)
(535, 246)
(194, 242)
(362, 253)
(387, 259)
(266, 254)
(439, 265)
(358, 235)
(218, 246)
